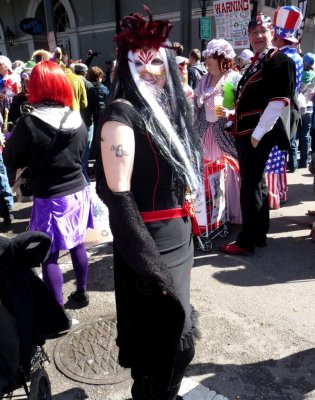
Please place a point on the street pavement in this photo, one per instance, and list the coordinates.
(256, 314)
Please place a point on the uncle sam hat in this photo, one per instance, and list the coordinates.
(286, 21)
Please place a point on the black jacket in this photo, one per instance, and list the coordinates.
(55, 171)
(272, 79)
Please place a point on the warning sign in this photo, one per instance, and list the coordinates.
(231, 19)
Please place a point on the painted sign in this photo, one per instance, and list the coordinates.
(32, 26)
(231, 19)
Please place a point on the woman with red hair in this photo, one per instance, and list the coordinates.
(50, 141)
(53, 84)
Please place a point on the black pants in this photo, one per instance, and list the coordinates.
(254, 193)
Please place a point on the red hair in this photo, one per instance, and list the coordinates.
(48, 82)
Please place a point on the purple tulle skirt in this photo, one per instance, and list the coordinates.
(65, 219)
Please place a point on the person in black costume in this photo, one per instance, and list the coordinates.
(148, 168)
(261, 114)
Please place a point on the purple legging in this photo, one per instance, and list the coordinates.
(52, 275)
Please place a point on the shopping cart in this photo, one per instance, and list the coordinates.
(210, 204)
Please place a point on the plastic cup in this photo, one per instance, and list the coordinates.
(218, 103)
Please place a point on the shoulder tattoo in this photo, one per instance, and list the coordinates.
(119, 151)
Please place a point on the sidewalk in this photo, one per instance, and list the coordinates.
(257, 314)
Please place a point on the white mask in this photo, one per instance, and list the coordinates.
(150, 66)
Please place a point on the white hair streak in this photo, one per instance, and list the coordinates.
(192, 179)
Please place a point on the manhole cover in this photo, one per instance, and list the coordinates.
(89, 353)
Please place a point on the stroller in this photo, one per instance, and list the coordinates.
(29, 314)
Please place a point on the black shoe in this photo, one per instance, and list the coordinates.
(81, 297)
(8, 219)
(5, 212)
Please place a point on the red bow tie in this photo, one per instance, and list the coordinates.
(255, 58)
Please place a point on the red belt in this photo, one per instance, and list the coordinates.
(161, 215)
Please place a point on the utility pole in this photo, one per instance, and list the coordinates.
(50, 24)
(117, 15)
(185, 25)
(254, 9)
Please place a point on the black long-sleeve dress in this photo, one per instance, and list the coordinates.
(149, 258)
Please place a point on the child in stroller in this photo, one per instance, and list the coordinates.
(29, 314)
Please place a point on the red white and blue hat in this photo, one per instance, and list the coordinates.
(286, 21)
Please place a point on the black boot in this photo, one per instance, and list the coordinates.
(151, 388)
(5, 211)
(172, 393)
(139, 390)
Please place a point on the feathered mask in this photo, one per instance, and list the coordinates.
(137, 33)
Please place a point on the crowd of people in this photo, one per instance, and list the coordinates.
(152, 120)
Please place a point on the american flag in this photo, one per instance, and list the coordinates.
(276, 161)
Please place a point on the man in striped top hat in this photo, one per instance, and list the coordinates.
(287, 21)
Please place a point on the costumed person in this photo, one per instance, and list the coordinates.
(50, 141)
(268, 85)
(286, 21)
(244, 60)
(148, 168)
(217, 143)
